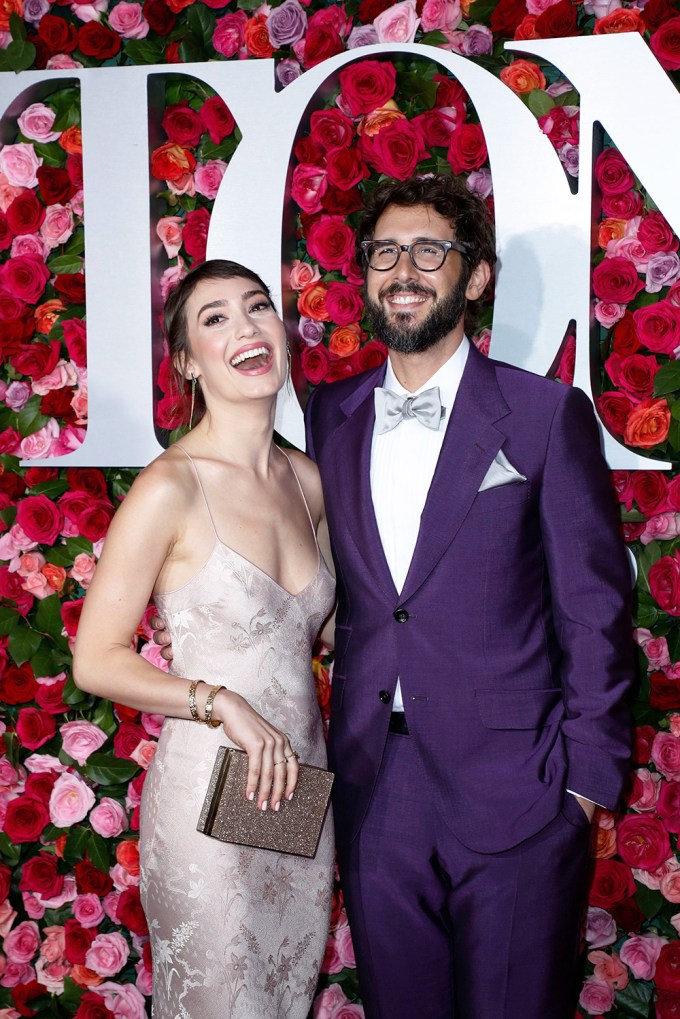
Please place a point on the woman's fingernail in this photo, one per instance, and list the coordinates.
(290, 796)
(277, 805)
(251, 796)
(264, 806)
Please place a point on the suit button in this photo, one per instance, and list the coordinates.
(385, 696)
(401, 615)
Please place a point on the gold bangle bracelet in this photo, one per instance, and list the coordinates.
(192, 700)
(208, 719)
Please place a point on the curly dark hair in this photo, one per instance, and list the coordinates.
(449, 196)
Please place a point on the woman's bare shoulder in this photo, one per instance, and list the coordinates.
(168, 482)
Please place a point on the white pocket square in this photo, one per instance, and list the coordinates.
(501, 472)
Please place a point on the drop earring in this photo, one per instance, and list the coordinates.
(289, 375)
(193, 400)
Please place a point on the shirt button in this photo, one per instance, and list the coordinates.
(385, 696)
(401, 615)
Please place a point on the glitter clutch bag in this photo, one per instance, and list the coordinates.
(295, 828)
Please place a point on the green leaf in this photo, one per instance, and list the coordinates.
(23, 643)
(635, 999)
(145, 51)
(673, 438)
(649, 555)
(29, 418)
(107, 769)
(74, 546)
(435, 38)
(20, 55)
(48, 619)
(66, 104)
(103, 717)
(674, 644)
(98, 851)
(646, 616)
(52, 489)
(209, 149)
(667, 379)
(76, 844)
(649, 900)
(72, 694)
(44, 662)
(65, 264)
(540, 102)
(9, 619)
(9, 852)
(191, 50)
(70, 997)
(76, 243)
(17, 26)
(201, 21)
(481, 10)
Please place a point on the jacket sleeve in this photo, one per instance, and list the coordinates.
(590, 580)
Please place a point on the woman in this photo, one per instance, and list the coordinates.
(221, 530)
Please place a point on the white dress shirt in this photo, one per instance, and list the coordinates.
(403, 462)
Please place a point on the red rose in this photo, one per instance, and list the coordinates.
(195, 235)
(625, 336)
(664, 583)
(49, 697)
(127, 739)
(55, 184)
(372, 355)
(396, 150)
(340, 368)
(10, 587)
(89, 879)
(367, 85)
(623, 206)
(160, 17)
(40, 785)
(18, 685)
(129, 911)
(73, 504)
(370, 9)
(613, 175)
(634, 374)
(93, 522)
(40, 874)
(321, 42)
(98, 41)
(340, 203)
(40, 519)
(92, 1006)
(628, 915)
(25, 213)
(667, 1005)
(665, 44)
(314, 363)
(87, 479)
(26, 819)
(9, 442)
(23, 993)
(72, 285)
(5, 233)
(506, 16)
(308, 151)
(74, 168)
(34, 728)
(615, 409)
(57, 404)
(658, 326)
(344, 303)
(656, 12)
(650, 491)
(182, 124)
(668, 805)
(616, 279)
(674, 494)
(5, 881)
(654, 233)
(346, 168)
(172, 411)
(557, 22)
(70, 615)
(37, 359)
(665, 692)
(642, 842)
(75, 340)
(217, 119)
(331, 242)
(611, 883)
(25, 277)
(467, 149)
(667, 973)
(331, 129)
(642, 744)
(77, 940)
(57, 34)
(437, 126)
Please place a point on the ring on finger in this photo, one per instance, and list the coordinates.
(294, 754)
(276, 763)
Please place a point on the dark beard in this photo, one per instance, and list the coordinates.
(403, 337)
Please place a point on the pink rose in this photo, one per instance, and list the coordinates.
(108, 818)
(7, 918)
(169, 230)
(645, 790)
(229, 34)
(83, 569)
(22, 943)
(58, 224)
(208, 177)
(440, 15)
(608, 313)
(310, 183)
(62, 62)
(144, 753)
(669, 886)
(36, 123)
(107, 954)
(88, 909)
(666, 755)
(152, 723)
(596, 996)
(610, 968)
(80, 739)
(52, 948)
(171, 276)
(661, 527)
(398, 23)
(19, 163)
(70, 801)
(128, 20)
(29, 244)
(332, 1004)
(17, 973)
(124, 1000)
(302, 273)
(640, 953)
(40, 443)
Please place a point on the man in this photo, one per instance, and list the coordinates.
(482, 639)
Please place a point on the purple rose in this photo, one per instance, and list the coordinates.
(477, 41)
(600, 927)
(663, 268)
(287, 71)
(362, 35)
(311, 332)
(569, 158)
(286, 24)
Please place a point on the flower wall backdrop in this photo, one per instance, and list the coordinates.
(74, 939)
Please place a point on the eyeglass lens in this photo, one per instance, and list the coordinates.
(425, 255)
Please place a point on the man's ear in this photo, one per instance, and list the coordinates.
(479, 279)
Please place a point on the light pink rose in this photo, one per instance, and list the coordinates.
(62, 375)
(398, 23)
(62, 62)
(36, 123)
(128, 20)
(669, 886)
(52, 948)
(76, 204)
(122, 878)
(90, 12)
(124, 1000)
(17, 394)
(601, 8)
(630, 248)
(208, 177)
(70, 801)
(80, 403)
(8, 192)
(661, 527)
(9, 1013)
(169, 230)
(640, 952)
(609, 968)
(152, 724)
(57, 226)
(19, 163)
(655, 648)
(302, 273)
(88, 909)
(110, 904)
(29, 244)
(21, 944)
(144, 752)
(37, 585)
(108, 818)
(608, 313)
(344, 947)
(653, 878)
(7, 918)
(332, 1002)
(81, 738)
(33, 906)
(40, 443)
(83, 569)
(70, 438)
(666, 755)
(651, 785)
(51, 974)
(596, 996)
(674, 721)
(38, 764)
(438, 15)
(172, 275)
(107, 954)
(144, 980)
(184, 185)
(151, 652)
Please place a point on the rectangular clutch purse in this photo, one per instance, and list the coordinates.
(295, 828)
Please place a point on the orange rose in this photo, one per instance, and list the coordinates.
(312, 302)
(46, 315)
(171, 162)
(603, 843)
(71, 141)
(611, 230)
(257, 37)
(523, 76)
(648, 424)
(345, 340)
(54, 575)
(85, 977)
(127, 854)
(622, 20)
(527, 27)
(377, 119)
(8, 7)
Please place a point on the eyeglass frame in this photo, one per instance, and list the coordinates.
(447, 245)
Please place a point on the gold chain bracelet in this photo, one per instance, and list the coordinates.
(208, 719)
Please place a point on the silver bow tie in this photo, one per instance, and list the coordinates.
(391, 408)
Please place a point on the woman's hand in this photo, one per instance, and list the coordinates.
(272, 763)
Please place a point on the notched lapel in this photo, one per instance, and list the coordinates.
(471, 442)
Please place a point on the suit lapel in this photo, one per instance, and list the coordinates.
(470, 445)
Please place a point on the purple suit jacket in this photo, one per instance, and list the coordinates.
(514, 651)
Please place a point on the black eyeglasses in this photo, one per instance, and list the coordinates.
(425, 255)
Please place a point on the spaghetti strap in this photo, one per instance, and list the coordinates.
(304, 499)
(200, 485)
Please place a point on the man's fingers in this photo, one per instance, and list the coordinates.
(166, 653)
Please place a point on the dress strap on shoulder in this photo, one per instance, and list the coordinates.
(302, 493)
(200, 485)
